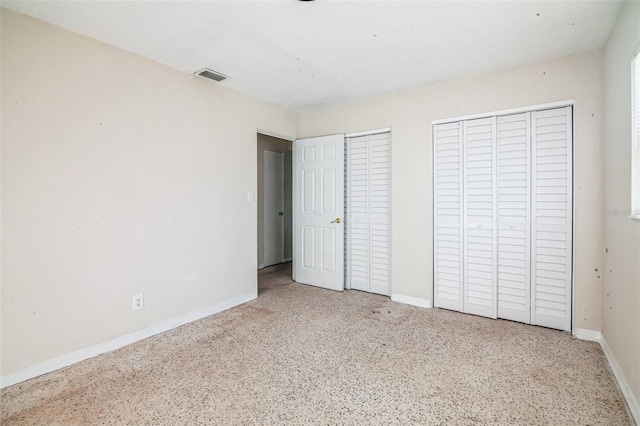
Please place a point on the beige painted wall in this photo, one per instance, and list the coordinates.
(410, 114)
(621, 298)
(119, 176)
(270, 143)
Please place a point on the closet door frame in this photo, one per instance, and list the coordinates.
(560, 104)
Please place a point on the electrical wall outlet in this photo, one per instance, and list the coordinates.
(138, 302)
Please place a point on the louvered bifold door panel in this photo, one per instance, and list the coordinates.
(447, 211)
(480, 217)
(380, 213)
(368, 220)
(514, 272)
(357, 220)
(551, 222)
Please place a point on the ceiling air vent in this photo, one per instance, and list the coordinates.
(211, 74)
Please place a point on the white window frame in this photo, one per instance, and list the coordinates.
(635, 138)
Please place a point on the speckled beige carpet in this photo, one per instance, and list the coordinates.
(302, 355)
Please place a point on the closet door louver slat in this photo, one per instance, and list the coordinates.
(551, 227)
(514, 283)
(447, 239)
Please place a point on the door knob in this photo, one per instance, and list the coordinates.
(280, 213)
(338, 220)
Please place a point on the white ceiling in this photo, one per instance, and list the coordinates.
(305, 55)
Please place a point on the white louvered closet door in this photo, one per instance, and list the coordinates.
(380, 212)
(480, 271)
(357, 267)
(514, 204)
(551, 224)
(503, 216)
(447, 216)
(368, 226)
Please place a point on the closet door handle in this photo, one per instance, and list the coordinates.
(338, 220)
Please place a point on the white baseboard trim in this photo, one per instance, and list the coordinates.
(410, 300)
(632, 402)
(623, 384)
(90, 352)
(584, 334)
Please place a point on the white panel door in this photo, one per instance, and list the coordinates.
(514, 204)
(551, 224)
(447, 216)
(318, 211)
(273, 213)
(480, 270)
(368, 187)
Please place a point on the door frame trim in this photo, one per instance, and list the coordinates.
(275, 135)
(368, 132)
(529, 108)
(255, 187)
